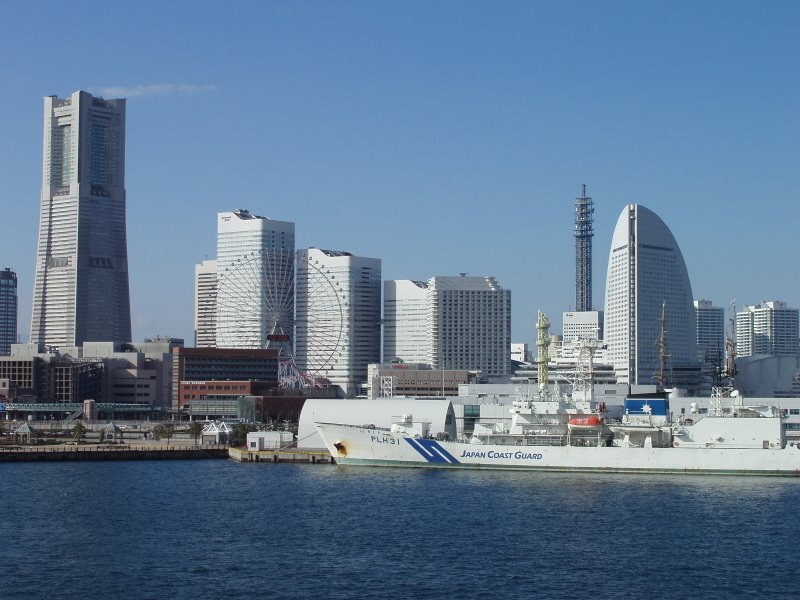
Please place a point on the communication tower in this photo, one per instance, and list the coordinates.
(584, 231)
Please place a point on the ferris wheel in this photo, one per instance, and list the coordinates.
(322, 308)
(256, 308)
(255, 301)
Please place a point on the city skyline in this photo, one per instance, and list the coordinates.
(438, 155)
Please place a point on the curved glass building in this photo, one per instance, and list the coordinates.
(646, 271)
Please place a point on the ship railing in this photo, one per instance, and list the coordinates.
(542, 440)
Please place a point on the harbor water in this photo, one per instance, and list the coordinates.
(223, 529)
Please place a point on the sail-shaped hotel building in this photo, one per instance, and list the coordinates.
(646, 272)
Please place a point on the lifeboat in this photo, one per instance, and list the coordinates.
(587, 422)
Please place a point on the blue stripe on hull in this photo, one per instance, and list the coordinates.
(432, 451)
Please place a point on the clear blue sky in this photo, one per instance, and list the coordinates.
(441, 137)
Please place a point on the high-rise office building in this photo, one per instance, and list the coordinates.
(467, 324)
(470, 324)
(205, 304)
(710, 327)
(81, 286)
(647, 276)
(771, 329)
(338, 316)
(710, 322)
(255, 281)
(406, 321)
(8, 310)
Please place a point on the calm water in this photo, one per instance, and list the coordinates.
(220, 529)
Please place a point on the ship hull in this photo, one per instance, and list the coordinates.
(350, 445)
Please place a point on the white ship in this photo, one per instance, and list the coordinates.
(554, 434)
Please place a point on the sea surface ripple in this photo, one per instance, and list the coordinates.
(221, 529)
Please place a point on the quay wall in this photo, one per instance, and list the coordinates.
(114, 453)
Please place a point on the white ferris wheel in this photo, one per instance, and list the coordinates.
(256, 308)
(322, 309)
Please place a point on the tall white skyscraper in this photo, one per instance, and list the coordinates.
(205, 304)
(255, 281)
(406, 322)
(466, 324)
(646, 272)
(338, 316)
(81, 287)
(470, 324)
(771, 329)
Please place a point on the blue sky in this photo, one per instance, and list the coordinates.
(441, 137)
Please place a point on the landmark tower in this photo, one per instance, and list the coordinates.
(81, 286)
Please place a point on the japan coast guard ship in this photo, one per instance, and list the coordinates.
(556, 434)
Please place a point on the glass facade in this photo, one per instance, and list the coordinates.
(8, 310)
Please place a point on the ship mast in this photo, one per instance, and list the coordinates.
(542, 350)
(730, 348)
(661, 375)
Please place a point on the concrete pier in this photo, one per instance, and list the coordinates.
(290, 455)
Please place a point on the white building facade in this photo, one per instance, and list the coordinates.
(582, 325)
(520, 352)
(771, 329)
(81, 285)
(255, 281)
(338, 316)
(205, 304)
(406, 323)
(467, 324)
(646, 272)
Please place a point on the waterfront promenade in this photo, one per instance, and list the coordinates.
(140, 449)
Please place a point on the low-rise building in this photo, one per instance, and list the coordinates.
(413, 379)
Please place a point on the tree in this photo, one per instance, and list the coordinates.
(239, 433)
(78, 431)
(195, 429)
(169, 429)
(158, 432)
(102, 436)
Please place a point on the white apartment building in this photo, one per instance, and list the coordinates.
(338, 316)
(81, 286)
(255, 281)
(771, 328)
(467, 324)
(205, 304)
(646, 272)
